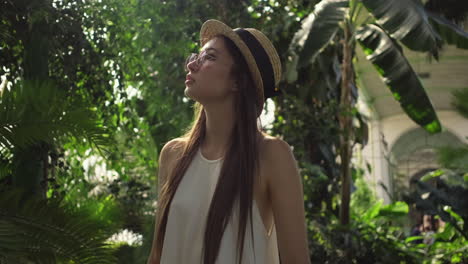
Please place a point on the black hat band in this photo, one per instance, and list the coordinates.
(262, 60)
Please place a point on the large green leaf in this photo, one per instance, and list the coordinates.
(450, 32)
(397, 209)
(318, 29)
(387, 56)
(407, 21)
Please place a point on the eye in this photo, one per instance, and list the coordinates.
(210, 57)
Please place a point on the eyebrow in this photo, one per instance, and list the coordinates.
(213, 49)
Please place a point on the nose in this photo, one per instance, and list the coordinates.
(192, 66)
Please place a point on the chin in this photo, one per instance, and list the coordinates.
(189, 93)
(200, 96)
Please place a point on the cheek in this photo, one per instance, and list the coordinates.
(215, 80)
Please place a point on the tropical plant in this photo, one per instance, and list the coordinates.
(47, 231)
(374, 236)
(443, 193)
(380, 31)
(38, 229)
(122, 59)
(36, 111)
(120, 63)
(47, 54)
(55, 85)
(456, 158)
(444, 198)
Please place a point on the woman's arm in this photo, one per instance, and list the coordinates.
(165, 159)
(285, 186)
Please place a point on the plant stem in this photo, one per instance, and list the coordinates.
(345, 125)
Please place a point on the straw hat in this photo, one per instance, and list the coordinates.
(260, 54)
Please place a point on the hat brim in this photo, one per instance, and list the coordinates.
(213, 28)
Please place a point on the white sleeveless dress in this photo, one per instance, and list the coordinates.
(183, 240)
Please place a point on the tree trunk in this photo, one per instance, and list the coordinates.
(345, 119)
(31, 164)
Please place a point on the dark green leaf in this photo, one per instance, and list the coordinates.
(372, 212)
(450, 32)
(407, 21)
(388, 59)
(318, 29)
(394, 210)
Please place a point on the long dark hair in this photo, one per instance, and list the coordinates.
(239, 168)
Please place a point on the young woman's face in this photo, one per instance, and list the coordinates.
(209, 78)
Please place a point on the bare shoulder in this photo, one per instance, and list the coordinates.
(279, 163)
(274, 149)
(287, 199)
(172, 149)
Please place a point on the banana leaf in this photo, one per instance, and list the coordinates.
(388, 58)
(407, 21)
(318, 29)
(451, 33)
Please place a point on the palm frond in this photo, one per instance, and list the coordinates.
(4, 33)
(44, 232)
(36, 111)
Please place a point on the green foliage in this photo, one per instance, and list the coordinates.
(375, 235)
(455, 158)
(387, 56)
(46, 231)
(406, 21)
(318, 29)
(459, 101)
(35, 111)
(451, 33)
(111, 72)
(397, 20)
(449, 247)
(310, 128)
(362, 198)
(340, 25)
(370, 239)
(81, 98)
(447, 201)
(443, 193)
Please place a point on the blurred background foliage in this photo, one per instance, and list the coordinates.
(92, 90)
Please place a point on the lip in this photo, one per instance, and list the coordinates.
(189, 78)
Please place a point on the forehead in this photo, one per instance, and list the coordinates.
(215, 44)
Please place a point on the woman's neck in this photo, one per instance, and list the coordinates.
(220, 121)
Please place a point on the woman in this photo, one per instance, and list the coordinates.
(228, 192)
